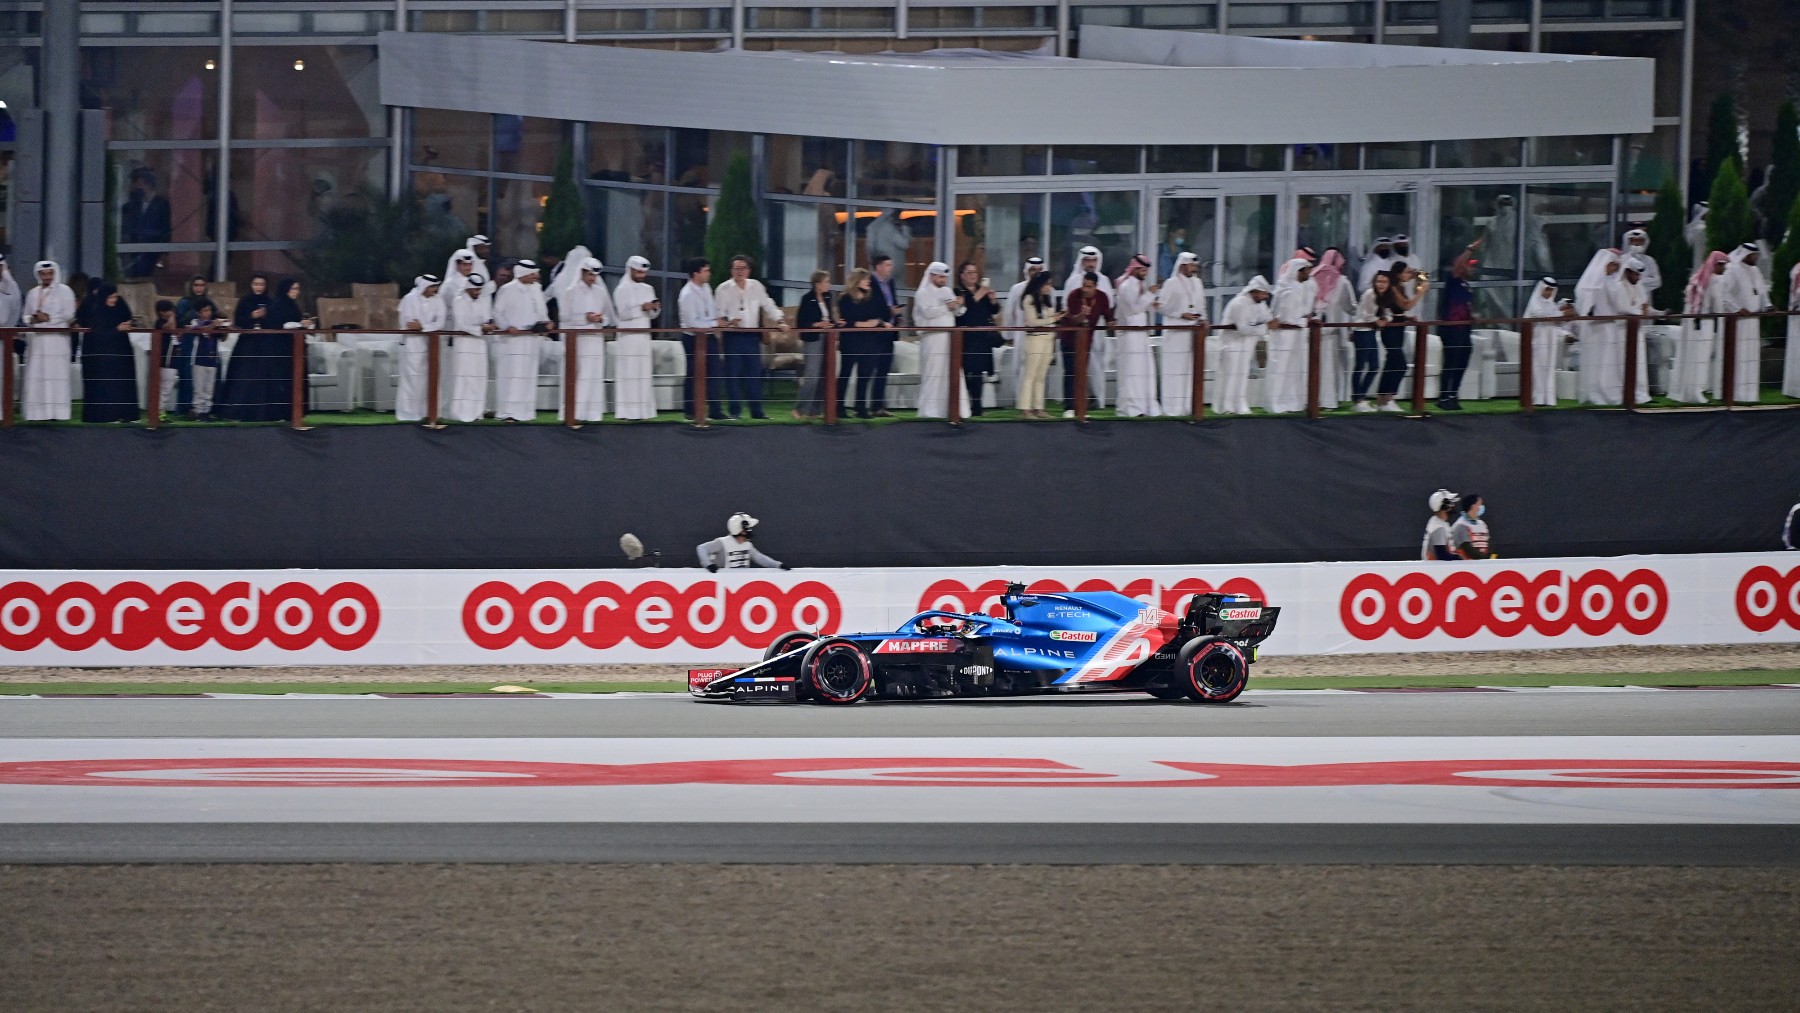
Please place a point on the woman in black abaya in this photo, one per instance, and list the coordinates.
(109, 390)
(259, 380)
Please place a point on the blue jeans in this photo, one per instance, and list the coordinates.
(1362, 371)
(743, 372)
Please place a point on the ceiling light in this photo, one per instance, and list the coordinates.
(299, 64)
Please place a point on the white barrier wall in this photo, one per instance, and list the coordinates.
(398, 617)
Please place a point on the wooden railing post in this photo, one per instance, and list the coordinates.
(7, 379)
(1728, 362)
(1527, 396)
(1315, 341)
(1633, 328)
(954, 405)
(153, 391)
(433, 376)
(1421, 351)
(828, 375)
(702, 399)
(1082, 336)
(297, 408)
(1199, 377)
(571, 375)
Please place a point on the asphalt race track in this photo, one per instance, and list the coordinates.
(1566, 777)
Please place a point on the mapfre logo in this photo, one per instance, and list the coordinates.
(186, 615)
(1505, 604)
(955, 596)
(1766, 598)
(654, 614)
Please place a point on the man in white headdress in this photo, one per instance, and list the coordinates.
(1602, 342)
(1549, 335)
(1182, 303)
(49, 303)
(1244, 323)
(583, 308)
(1013, 315)
(1634, 301)
(1379, 260)
(1695, 232)
(635, 301)
(471, 316)
(421, 312)
(521, 315)
(483, 249)
(1790, 365)
(1745, 291)
(457, 270)
(1293, 306)
(1100, 357)
(1698, 345)
(1136, 364)
(1636, 243)
(12, 300)
(935, 304)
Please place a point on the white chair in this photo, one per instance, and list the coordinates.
(331, 375)
(377, 357)
(903, 376)
(1659, 344)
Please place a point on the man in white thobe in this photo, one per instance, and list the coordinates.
(1602, 342)
(699, 315)
(520, 314)
(1296, 300)
(1244, 323)
(421, 312)
(50, 303)
(1379, 261)
(1636, 243)
(1549, 336)
(1790, 364)
(1745, 291)
(1136, 363)
(457, 271)
(583, 308)
(1633, 301)
(12, 301)
(1698, 346)
(1100, 355)
(1182, 302)
(935, 304)
(635, 301)
(472, 318)
(1013, 315)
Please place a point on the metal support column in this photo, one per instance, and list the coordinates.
(61, 101)
(1456, 20)
(1062, 27)
(397, 182)
(1378, 33)
(1686, 141)
(222, 169)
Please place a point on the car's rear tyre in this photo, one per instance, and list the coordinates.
(787, 642)
(1212, 671)
(836, 670)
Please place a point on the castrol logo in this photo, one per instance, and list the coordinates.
(956, 596)
(1766, 598)
(655, 614)
(186, 615)
(1504, 604)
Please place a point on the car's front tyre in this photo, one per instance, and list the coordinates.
(836, 670)
(1212, 671)
(787, 642)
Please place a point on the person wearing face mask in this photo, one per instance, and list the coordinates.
(1469, 535)
(1379, 261)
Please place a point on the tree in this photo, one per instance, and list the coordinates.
(1784, 179)
(1668, 244)
(370, 239)
(734, 228)
(1786, 256)
(1730, 223)
(564, 225)
(1721, 142)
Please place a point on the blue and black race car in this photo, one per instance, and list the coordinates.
(1046, 643)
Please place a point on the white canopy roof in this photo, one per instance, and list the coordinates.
(1130, 86)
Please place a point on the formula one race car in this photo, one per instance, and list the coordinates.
(1048, 643)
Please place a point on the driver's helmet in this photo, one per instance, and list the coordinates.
(942, 625)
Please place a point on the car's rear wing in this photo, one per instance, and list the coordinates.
(1242, 620)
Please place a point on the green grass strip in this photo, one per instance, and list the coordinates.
(1742, 677)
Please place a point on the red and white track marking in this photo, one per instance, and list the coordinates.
(1598, 779)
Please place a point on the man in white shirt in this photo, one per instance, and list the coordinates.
(700, 316)
(520, 316)
(583, 308)
(1182, 302)
(635, 301)
(744, 303)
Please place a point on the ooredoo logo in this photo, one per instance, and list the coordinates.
(186, 615)
(653, 614)
(1505, 604)
(1766, 598)
(955, 596)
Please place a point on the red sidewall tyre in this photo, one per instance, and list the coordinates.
(837, 671)
(1213, 671)
(787, 642)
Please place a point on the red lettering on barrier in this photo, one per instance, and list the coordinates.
(954, 596)
(1766, 598)
(654, 614)
(131, 616)
(1505, 604)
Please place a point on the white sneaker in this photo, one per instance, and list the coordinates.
(1363, 406)
(1392, 406)
(1069, 414)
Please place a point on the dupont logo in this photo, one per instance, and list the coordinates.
(1505, 604)
(186, 616)
(1075, 636)
(955, 596)
(1238, 614)
(916, 647)
(1766, 598)
(654, 614)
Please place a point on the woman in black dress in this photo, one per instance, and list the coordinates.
(109, 391)
(259, 380)
(979, 310)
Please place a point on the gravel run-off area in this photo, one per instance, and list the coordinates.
(1566, 661)
(813, 937)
